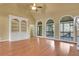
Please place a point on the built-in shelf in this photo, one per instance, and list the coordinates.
(23, 26)
(18, 28)
(15, 25)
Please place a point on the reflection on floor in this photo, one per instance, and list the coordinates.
(70, 39)
(38, 47)
(67, 38)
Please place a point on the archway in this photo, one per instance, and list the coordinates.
(15, 25)
(50, 28)
(39, 28)
(66, 28)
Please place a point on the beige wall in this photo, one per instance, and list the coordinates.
(16, 10)
(54, 11)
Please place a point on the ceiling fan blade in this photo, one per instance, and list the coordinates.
(39, 6)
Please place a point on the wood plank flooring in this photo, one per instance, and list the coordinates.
(38, 47)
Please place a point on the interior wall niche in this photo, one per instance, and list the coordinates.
(23, 26)
(15, 25)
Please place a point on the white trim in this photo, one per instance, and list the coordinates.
(75, 27)
(20, 39)
(4, 40)
(41, 37)
(54, 27)
(10, 27)
(59, 26)
(75, 39)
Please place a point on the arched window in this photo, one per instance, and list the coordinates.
(66, 28)
(50, 28)
(15, 25)
(39, 28)
(23, 26)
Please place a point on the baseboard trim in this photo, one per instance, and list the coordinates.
(67, 41)
(19, 39)
(3, 40)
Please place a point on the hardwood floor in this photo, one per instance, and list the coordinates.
(38, 47)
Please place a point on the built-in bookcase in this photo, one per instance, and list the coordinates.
(15, 25)
(23, 26)
(18, 27)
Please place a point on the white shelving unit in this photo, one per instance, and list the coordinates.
(18, 27)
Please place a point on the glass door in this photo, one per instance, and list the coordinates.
(66, 28)
(50, 29)
(39, 29)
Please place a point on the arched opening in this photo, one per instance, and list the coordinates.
(66, 28)
(23, 26)
(15, 25)
(39, 28)
(50, 28)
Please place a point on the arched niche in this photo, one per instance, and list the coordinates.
(23, 26)
(15, 25)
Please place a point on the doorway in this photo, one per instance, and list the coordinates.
(50, 28)
(39, 28)
(67, 28)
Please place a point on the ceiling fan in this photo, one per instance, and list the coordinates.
(35, 7)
